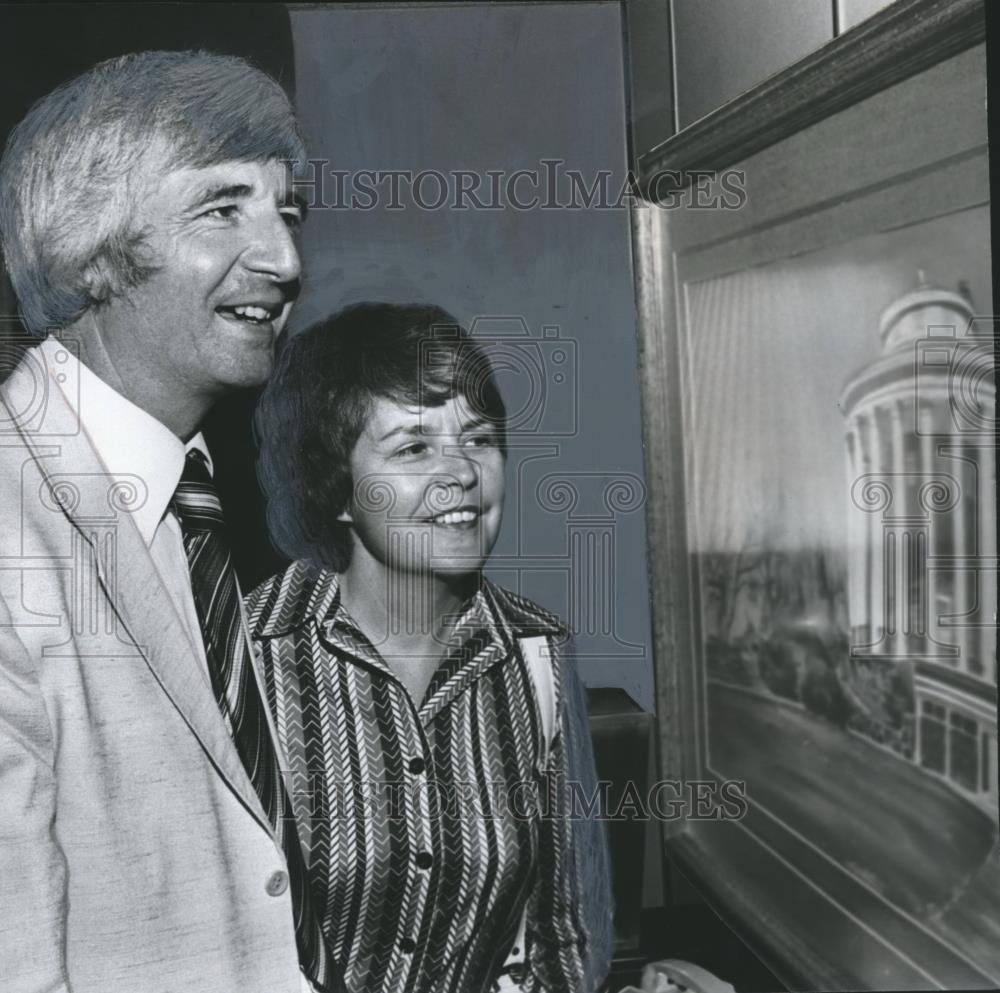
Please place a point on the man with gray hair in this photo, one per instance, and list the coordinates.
(148, 225)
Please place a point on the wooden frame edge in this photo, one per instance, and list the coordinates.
(892, 45)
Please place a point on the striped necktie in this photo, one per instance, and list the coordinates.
(216, 597)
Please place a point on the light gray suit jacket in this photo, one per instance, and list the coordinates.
(134, 854)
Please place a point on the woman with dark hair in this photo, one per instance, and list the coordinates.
(433, 724)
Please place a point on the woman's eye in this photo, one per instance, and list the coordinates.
(414, 448)
(485, 439)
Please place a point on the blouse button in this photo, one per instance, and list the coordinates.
(408, 945)
(425, 860)
(417, 766)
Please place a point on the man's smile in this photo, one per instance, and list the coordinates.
(252, 313)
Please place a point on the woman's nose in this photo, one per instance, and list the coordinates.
(463, 468)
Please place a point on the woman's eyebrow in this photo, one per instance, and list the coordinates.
(477, 422)
(420, 428)
(406, 429)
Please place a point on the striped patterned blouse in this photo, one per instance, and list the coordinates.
(423, 828)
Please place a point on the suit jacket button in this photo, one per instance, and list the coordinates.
(277, 883)
(408, 946)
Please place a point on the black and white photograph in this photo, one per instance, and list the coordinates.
(498, 497)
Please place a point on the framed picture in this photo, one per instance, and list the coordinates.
(819, 401)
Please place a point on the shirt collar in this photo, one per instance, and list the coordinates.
(485, 633)
(134, 447)
(305, 592)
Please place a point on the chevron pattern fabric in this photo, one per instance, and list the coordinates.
(417, 821)
(216, 596)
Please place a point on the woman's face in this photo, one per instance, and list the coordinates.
(428, 488)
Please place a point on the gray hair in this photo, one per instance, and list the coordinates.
(75, 168)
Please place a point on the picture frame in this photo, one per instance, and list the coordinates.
(813, 281)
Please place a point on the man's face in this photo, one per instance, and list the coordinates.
(428, 489)
(222, 242)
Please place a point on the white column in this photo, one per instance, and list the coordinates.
(928, 468)
(857, 546)
(874, 542)
(901, 593)
(961, 538)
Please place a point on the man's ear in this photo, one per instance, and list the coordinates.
(345, 517)
(118, 264)
(101, 279)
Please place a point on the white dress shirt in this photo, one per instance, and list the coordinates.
(138, 450)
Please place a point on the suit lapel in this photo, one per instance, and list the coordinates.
(129, 577)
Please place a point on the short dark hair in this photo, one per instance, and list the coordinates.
(318, 400)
